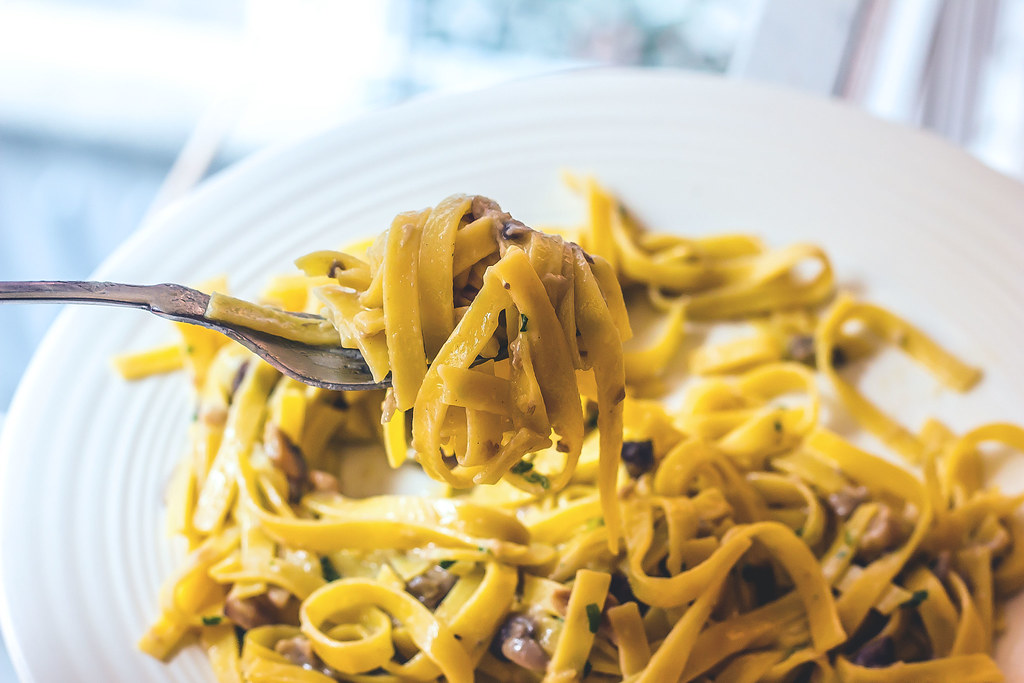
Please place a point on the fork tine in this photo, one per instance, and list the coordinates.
(328, 367)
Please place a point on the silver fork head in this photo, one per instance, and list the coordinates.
(328, 367)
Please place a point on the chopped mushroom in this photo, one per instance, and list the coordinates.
(324, 482)
(887, 530)
(877, 653)
(560, 599)
(845, 500)
(513, 230)
(250, 612)
(299, 651)
(638, 457)
(278, 596)
(516, 643)
(801, 350)
(431, 586)
(287, 457)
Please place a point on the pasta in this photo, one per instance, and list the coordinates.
(588, 530)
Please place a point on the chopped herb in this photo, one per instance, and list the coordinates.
(522, 467)
(916, 599)
(538, 478)
(595, 523)
(799, 532)
(841, 555)
(457, 636)
(445, 564)
(522, 327)
(593, 617)
(328, 570)
(484, 550)
(778, 426)
(190, 349)
(212, 621)
(848, 538)
(587, 668)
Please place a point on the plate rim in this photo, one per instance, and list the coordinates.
(247, 171)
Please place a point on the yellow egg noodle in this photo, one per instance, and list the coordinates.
(589, 531)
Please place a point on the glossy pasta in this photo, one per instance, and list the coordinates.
(587, 530)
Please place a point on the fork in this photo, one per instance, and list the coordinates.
(328, 367)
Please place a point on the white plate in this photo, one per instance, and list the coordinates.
(911, 223)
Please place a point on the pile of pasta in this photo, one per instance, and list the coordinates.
(588, 530)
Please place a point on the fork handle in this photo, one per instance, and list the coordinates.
(166, 300)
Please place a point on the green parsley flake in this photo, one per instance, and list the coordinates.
(212, 621)
(538, 478)
(328, 570)
(778, 426)
(594, 617)
(445, 564)
(916, 599)
(524, 319)
(522, 467)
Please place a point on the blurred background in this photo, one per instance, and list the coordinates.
(110, 109)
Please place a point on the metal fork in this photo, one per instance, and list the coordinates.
(329, 367)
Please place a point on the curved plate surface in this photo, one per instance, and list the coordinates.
(910, 222)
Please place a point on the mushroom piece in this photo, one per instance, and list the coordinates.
(299, 651)
(886, 530)
(278, 596)
(876, 653)
(251, 612)
(516, 643)
(801, 350)
(638, 457)
(845, 500)
(431, 586)
(287, 457)
(324, 482)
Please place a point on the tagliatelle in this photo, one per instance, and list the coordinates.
(586, 531)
